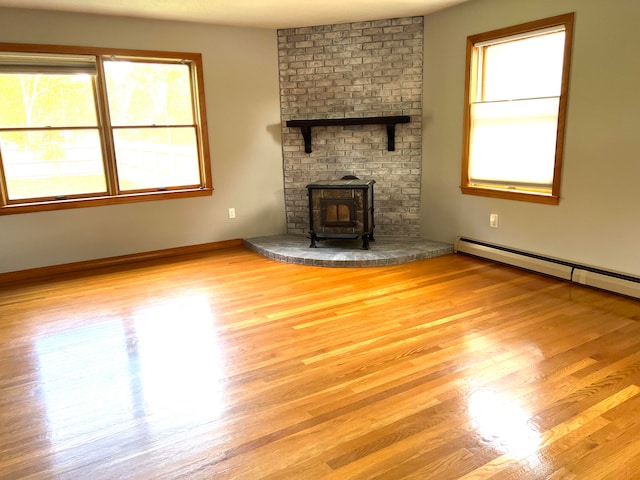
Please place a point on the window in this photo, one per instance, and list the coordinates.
(82, 127)
(515, 106)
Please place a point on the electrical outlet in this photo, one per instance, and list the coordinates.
(232, 213)
(493, 220)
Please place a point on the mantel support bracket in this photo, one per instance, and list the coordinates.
(306, 134)
(391, 137)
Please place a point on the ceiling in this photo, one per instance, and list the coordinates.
(246, 13)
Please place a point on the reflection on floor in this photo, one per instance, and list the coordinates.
(347, 253)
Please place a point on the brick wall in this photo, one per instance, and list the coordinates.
(363, 69)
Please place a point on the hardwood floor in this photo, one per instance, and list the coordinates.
(231, 365)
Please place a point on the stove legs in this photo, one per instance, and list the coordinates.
(366, 239)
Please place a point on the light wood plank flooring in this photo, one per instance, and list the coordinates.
(231, 365)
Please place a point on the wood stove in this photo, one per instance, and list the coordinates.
(341, 209)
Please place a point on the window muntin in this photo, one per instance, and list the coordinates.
(514, 118)
(80, 129)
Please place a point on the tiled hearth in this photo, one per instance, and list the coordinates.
(294, 248)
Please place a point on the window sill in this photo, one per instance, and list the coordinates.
(521, 196)
(48, 206)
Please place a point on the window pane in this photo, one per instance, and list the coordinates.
(514, 143)
(142, 94)
(156, 157)
(37, 100)
(52, 163)
(527, 68)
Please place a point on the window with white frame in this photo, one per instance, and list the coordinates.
(82, 127)
(515, 108)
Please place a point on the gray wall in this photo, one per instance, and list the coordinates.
(598, 219)
(241, 86)
(364, 69)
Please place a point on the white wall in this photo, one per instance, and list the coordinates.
(598, 219)
(242, 100)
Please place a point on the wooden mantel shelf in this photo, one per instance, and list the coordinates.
(390, 122)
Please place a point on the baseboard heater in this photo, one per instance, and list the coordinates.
(616, 282)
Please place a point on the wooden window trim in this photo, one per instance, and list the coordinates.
(104, 127)
(567, 20)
